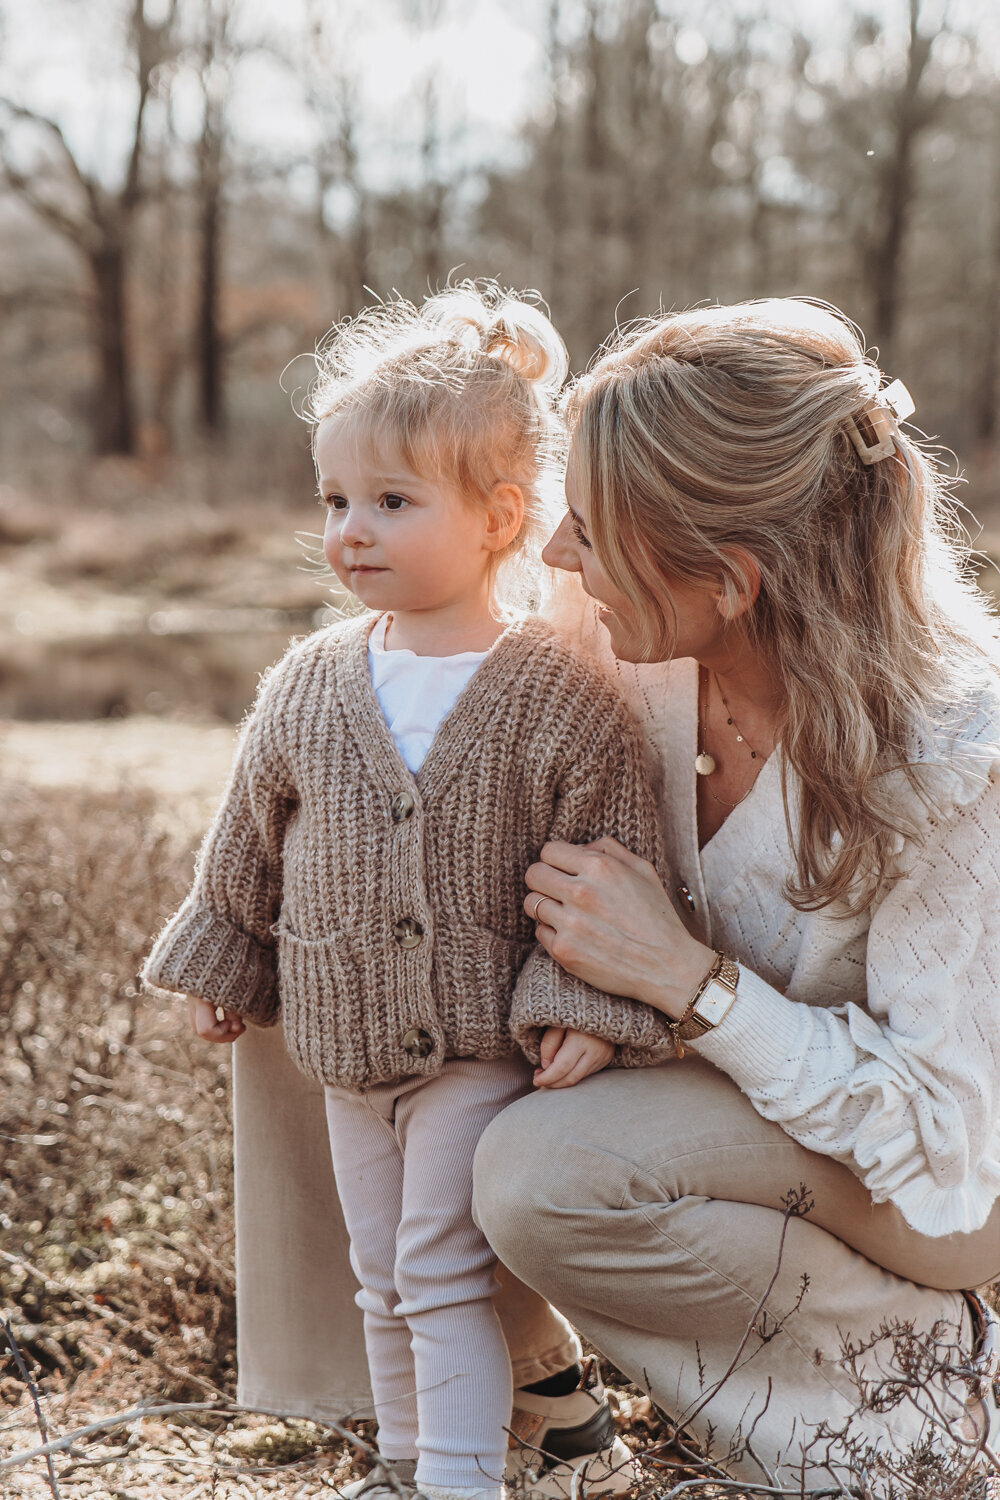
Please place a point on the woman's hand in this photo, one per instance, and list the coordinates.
(568, 1056)
(206, 1022)
(607, 919)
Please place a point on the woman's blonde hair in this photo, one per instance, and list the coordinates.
(464, 388)
(719, 436)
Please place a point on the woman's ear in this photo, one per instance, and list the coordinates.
(739, 586)
(505, 516)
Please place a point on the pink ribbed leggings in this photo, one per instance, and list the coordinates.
(402, 1155)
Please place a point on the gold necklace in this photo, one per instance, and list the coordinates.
(705, 764)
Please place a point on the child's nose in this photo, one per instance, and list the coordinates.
(560, 551)
(355, 530)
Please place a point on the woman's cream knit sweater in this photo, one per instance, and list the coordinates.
(871, 1038)
(381, 913)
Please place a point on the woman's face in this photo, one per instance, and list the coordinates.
(699, 625)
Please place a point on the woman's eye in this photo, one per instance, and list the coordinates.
(578, 533)
(395, 502)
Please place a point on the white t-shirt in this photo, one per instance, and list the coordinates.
(416, 693)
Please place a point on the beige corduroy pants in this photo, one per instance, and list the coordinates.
(648, 1204)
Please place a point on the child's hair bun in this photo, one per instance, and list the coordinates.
(482, 315)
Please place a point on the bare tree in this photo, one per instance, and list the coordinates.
(909, 112)
(431, 200)
(95, 220)
(332, 96)
(986, 392)
(214, 55)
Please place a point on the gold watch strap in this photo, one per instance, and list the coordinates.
(691, 1025)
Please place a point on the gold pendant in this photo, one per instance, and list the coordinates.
(704, 763)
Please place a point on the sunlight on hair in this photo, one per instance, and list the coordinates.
(464, 387)
(722, 432)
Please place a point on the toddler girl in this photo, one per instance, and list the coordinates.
(364, 875)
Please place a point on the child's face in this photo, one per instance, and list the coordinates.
(397, 540)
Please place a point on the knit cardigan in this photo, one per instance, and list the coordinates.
(381, 913)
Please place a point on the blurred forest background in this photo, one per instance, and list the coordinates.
(191, 192)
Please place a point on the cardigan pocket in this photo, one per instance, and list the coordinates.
(475, 973)
(321, 982)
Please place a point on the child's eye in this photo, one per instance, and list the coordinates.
(578, 533)
(395, 502)
(335, 502)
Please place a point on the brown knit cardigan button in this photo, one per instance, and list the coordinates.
(408, 932)
(401, 807)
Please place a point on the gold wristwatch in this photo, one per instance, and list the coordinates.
(710, 1002)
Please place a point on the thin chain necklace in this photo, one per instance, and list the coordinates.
(704, 763)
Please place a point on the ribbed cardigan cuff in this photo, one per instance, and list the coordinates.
(547, 996)
(202, 953)
(759, 1026)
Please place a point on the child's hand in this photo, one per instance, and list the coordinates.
(205, 1021)
(568, 1056)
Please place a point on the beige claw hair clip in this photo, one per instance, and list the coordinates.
(891, 406)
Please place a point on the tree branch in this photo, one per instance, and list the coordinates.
(55, 130)
(81, 232)
(33, 1389)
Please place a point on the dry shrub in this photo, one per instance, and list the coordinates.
(114, 1119)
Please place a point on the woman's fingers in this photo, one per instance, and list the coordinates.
(603, 914)
(575, 874)
(548, 881)
(559, 855)
(610, 846)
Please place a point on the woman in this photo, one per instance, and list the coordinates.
(743, 505)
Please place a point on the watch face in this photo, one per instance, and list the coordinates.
(714, 1002)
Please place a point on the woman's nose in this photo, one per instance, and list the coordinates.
(561, 551)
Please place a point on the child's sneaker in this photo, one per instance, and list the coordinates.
(552, 1437)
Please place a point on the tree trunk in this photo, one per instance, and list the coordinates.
(886, 254)
(114, 419)
(987, 388)
(209, 334)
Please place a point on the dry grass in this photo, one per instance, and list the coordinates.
(116, 1124)
(116, 1226)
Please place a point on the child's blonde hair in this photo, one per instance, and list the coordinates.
(465, 388)
(723, 435)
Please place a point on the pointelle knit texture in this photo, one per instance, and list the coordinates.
(874, 1038)
(363, 904)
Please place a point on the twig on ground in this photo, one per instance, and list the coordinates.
(33, 1389)
(222, 1408)
(116, 1456)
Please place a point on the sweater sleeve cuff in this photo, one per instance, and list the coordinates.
(547, 996)
(759, 1026)
(202, 953)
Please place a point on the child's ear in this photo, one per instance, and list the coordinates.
(504, 517)
(739, 586)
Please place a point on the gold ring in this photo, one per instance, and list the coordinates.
(538, 902)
